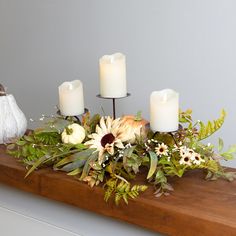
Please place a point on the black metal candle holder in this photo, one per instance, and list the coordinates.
(77, 117)
(113, 102)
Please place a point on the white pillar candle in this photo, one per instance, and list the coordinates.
(113, 76)
(164, 110)
(71, 98)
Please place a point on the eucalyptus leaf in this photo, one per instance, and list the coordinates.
(153, 164)
(93, 157)
(76, 156)
(20, 142)
(39, 162)
(232, 149)
(128, 151)
(28, 138)
(227, 156)
(75, 172)
(74, 165)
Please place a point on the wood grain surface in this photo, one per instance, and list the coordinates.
(196, 207)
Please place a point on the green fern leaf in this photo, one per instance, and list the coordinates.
(110, 188)
(124, 191)
(211, 127)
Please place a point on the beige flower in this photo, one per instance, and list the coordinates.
(185, 160)
(183, 150)
(109, 134)
(196, 159)
(161, 149)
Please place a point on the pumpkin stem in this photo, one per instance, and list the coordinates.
(69, 131)
(138, 116)
(2, 90)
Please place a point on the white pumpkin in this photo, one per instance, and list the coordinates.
(13, 123)
(73, 134)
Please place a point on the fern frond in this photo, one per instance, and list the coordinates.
(47, 138)
(124, 191)
(211, 127)
(110, 188)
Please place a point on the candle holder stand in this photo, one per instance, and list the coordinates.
(77, 117)
(113, 102)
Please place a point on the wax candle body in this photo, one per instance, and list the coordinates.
(71, 98)
(164, 110)
(113, 76)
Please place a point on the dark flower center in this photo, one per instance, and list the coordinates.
(107, 139)
(161, 150)
(197, 158)
(186, 159)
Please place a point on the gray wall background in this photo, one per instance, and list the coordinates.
(186, 45)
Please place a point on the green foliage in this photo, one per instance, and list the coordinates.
(185, 116)
(55, 124)
(74, 161)
(87, 166)
(229, 154)
(40, 148)
(122, 190)
(212, 166)
(90, 123)
(47, 138)
(49, 158)
(230, 176)
(161, 181)
(35, 145)
(173, 168)
(153, 164)
(95, 176)
(110, 187)
(165, 138)
(131, 161)
(211, 127)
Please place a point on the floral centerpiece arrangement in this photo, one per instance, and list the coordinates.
(114, 151)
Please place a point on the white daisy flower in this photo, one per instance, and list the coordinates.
(109, 134)
(185, 160)
(175, 148)
(185, 151)
(196, 159)
(161, 149)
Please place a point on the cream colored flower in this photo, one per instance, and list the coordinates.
(109, 134)
(185, 160)
(161, 149)
(183, 150)
(196, 159)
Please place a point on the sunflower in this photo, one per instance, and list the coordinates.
(109, 134)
